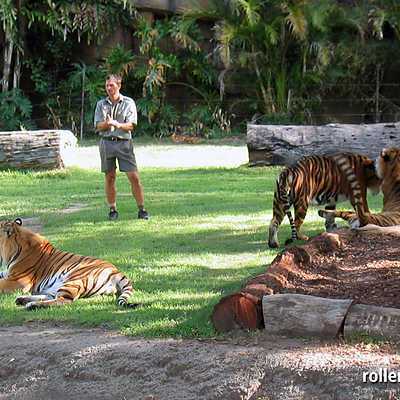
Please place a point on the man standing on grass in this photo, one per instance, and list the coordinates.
(115, 118)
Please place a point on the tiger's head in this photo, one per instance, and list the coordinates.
(388, 164)
(9, 243)
(15, 240)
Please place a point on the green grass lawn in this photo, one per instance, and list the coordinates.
(206, 237)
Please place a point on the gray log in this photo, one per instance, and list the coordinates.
(373, 320)
(285, 144)
(44, 149)
(303, 315)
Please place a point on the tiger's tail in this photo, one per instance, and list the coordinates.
(281, 207)
(124, 291)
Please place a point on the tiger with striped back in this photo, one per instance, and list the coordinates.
(317, 179)
(388, 169)
(52, 276)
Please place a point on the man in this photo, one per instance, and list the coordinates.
(115, 119)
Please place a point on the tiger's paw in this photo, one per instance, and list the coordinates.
(272, 244)
(32, 305)
(22, 300)
(132, 305)
(124, 304)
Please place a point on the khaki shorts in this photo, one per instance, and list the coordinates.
(121, 150)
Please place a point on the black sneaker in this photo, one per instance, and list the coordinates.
(113, 214)
(143, 214)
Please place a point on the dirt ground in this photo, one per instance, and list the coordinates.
(51, 362)
(43, 361)
(349, 264)
(365, 269)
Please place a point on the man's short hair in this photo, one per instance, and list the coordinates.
(114, 77)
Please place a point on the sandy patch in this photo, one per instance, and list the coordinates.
(47, 362)
(169, 156)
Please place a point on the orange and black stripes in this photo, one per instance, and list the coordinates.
(54, 277)
(388, 168)
(315, 179)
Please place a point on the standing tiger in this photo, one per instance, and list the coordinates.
(52, 276)
(388, 169)
(317, 179)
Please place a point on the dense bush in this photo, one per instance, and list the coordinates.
(271, 61)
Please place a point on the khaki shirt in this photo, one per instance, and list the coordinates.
(123, 111)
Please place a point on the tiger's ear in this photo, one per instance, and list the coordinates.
(18, 221)
(385, 155)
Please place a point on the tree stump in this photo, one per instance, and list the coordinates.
(285, 144)
(44, 149)
(304, 315)
(238, 311)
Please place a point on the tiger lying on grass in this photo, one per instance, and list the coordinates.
(52, 276)
(317, 179)
(388, 169)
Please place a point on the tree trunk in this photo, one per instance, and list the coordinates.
(8, 51)
(285, 144)
(17, 70)
(82, 102)
(304, 315)
(35, 149)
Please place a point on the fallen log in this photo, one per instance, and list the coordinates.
(285, 144)
(304, 315)
(373, 320)
(44, 149)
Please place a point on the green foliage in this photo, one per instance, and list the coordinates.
(64, 107)
(167, 124)
(296, 51)
(8, 16)
(15, 111)
(86, 19)
(157, 67)
(160, 127)
(120, 61)
(207, 121)
(39, 75)
(90, 79)
(186, 34)
(200, 71)
(284, 56)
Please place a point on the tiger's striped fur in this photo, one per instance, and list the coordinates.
(52, 276)
(316, 179)
(388, 169)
